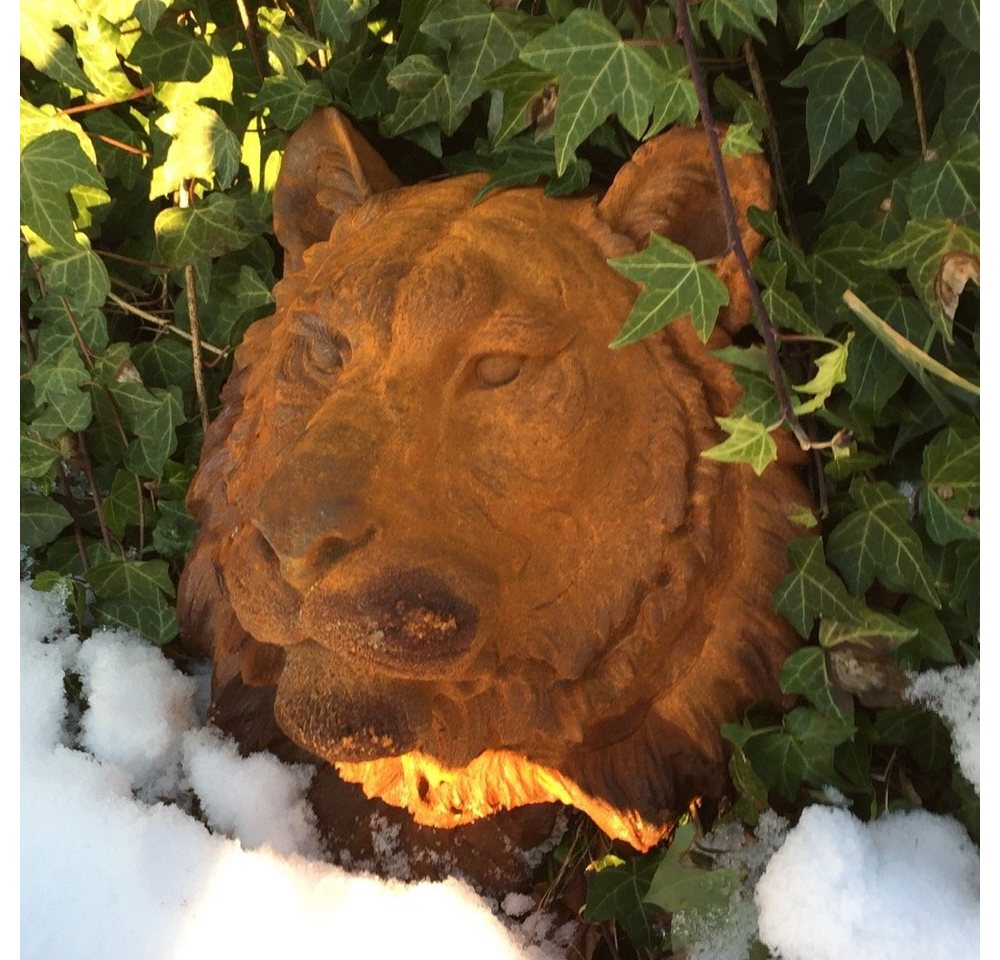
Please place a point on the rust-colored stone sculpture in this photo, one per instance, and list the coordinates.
(470, 554)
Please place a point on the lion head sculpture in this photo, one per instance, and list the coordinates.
(474, 552)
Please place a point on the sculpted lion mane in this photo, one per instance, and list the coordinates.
(463, 551)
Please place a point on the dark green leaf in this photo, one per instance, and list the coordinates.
(289, 99)
(950, 497)
(171, 53)
(816, 14)
(615, 891)
(812, 589)
(152, 618)
(948, 186)
(740, 15)
(123, 504)
(805, 673)
(42, 520)
(845, 87)
(212, 228)
(131, 580)
(334, 18)
(522, 86)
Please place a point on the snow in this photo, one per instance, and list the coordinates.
(954, 694)
(115, 865)
(905, 885)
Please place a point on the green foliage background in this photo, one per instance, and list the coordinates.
(151, 134)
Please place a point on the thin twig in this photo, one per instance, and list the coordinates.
(187, 200)
(165, 324)
(735, 240)
(911, 62)
(88, 472)
(84, 107)
(112, 142)
(150, 264)
(88, 356)
(253, 39)
(771, 132)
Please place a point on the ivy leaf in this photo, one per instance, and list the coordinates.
(45, 48)
(42, 520)
(740, 15)
(53, 168)
(599, 74)
(521, 86)
(960, 68)
(876, 631)
(76, 273)
(148, 12)
(748, 442)
(872, 193)
(950, 497)
(831, 369)
(838, 263)
(212, 227)
(480, 40)
(765, 222)
(289, 99)
(783, 305)
(947, 187)
(175, 531)
(844, 87)
(680, 886)
(131, 579)
(816, 14)
(121, 507)
(674, 285)
(153, 416)
(170, 54)
(876, 540)
(615, 891)
(202, 148)
(805, 673)
(740, 140)
(59, 382)
(152, 618)
(932, 251)
(334, 18)
(812, 589)
(425, 96)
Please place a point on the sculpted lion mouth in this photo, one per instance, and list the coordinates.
(402, 620)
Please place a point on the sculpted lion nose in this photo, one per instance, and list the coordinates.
(298, 513)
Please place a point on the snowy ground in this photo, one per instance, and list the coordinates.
(113, 867)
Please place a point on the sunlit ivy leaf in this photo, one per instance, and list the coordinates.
(740, 15)
(615, 891)
(54, 167)
(816, 14)
(950, 496)
(877, 631)
(42, 520)
(45, 48)
(479, 39)
(217, 84)
(131, 579)
(831, 370)
(805, 673)
(871, 193)
(98, 44)
(425, 96)
(153, 619)
(287, 47)
(521, 86)
(202, 147)
(812, 589)
(121, 506)
(739, 140)
(877, 540)
(599, 74)
(927, 249)
(289, 99)
(845, 86)
(171, 53)
(674, 285)
(947, 187)
(748, 442)
(334, 18)
(212, 227)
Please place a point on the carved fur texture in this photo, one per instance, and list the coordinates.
(474, 552)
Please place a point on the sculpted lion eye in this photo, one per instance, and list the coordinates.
(499, 369)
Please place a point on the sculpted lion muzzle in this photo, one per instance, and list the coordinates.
(471, 556)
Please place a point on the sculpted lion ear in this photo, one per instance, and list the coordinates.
(328, 168)
(668, 187)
